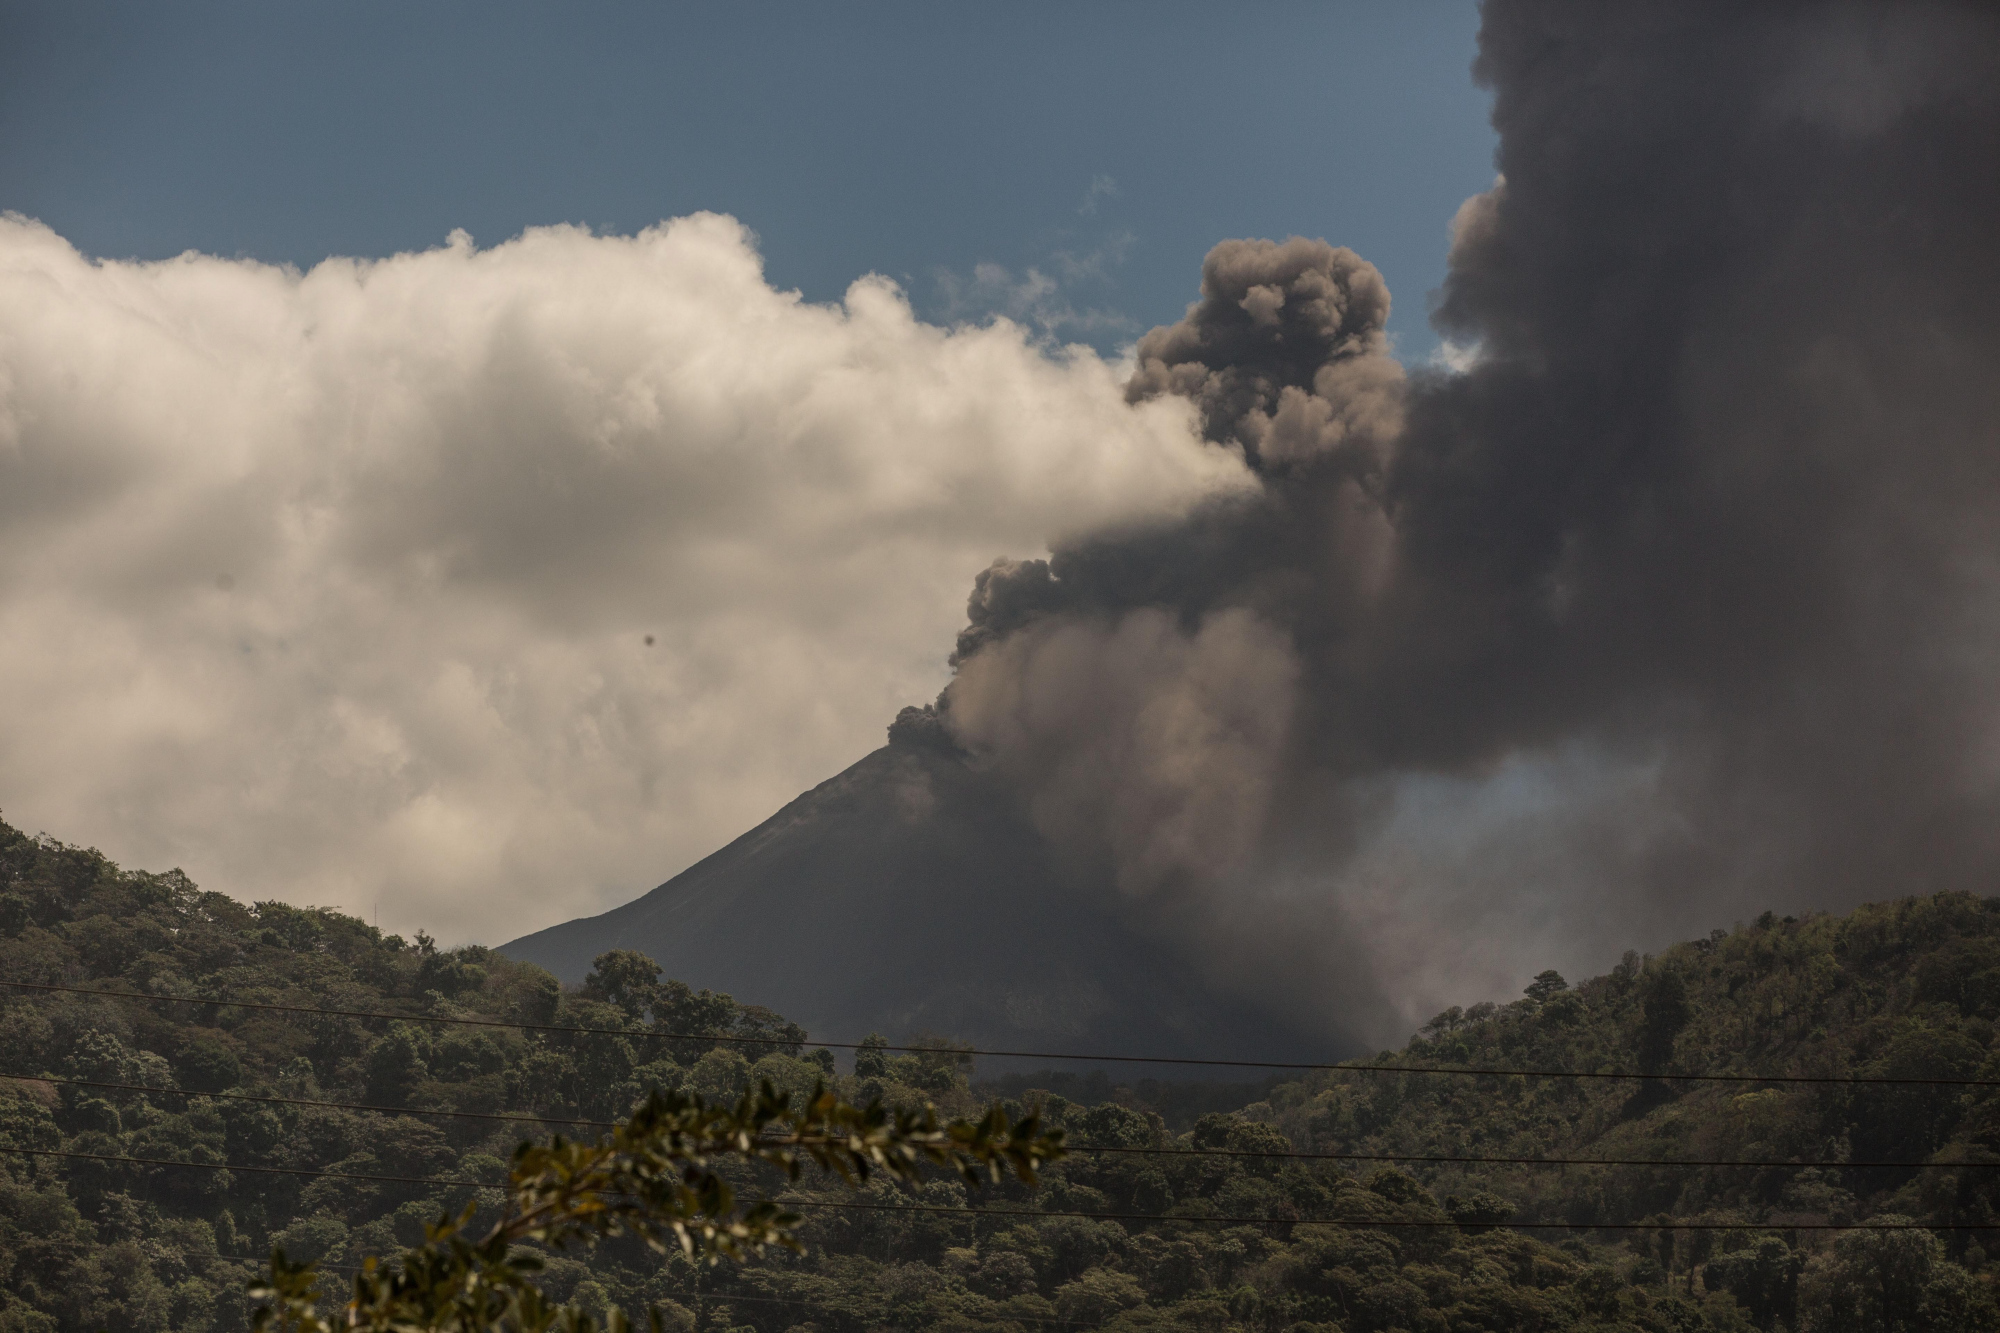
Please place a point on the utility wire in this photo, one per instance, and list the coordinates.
(508, 1117)
(1423, 1224)
(974, 1214)
(399, 1018)
(257, 1170)
(1338, 1067)
(1286, 1155)
(1516, 1161)
(807, 1303)
(722, 1297)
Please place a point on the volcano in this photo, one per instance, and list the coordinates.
(910, 894)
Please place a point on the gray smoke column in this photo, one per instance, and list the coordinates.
(1678, 600)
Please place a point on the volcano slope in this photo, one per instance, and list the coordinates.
(908, 895)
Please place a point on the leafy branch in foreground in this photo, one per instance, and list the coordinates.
(655, 1176)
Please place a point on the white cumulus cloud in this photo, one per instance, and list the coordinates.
(336, 587)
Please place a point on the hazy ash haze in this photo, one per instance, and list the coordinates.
(495, 583)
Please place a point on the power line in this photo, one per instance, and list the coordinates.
(1518, 1161)
(1338, 1067)
(1286, 1155)
(1419, 1224)
(321, 1263)
(719, 1297)
(256, 1170)
(399, 1018)
(975, 1214)
(727, 1297)
(512, 1118)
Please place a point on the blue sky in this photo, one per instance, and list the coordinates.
(1104, 147)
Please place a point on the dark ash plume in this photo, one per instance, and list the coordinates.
(1683, 600)
(1285, 354)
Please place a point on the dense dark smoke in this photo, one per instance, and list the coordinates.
(1680, 600)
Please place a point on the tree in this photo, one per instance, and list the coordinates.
(1763, 1278)
(396, 1063)
(625, 978)
(1890, 1278)
(1545, 985)
(1911, 1121)
(872, 1060)
(658, 1176)
(1666, 1012)
(207, 1064)
(1482, 1210)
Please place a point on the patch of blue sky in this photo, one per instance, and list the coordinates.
(1063, 165)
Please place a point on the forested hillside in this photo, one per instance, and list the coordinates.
(1163, 1218)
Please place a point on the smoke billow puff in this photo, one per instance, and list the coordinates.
(1157, 745)
(1285, 354)
(1680, 600)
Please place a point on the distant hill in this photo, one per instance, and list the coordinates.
(909, 894)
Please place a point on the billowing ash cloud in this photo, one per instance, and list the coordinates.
(491, 585)
(1681, 600)
(1284, 354)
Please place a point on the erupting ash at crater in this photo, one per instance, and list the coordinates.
(1678, 599)
(1673, 597)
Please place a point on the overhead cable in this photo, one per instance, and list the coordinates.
(975, 1214)
(523, 1118)
(1446, 1159)
(722, 1297)
(1338, 1067)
